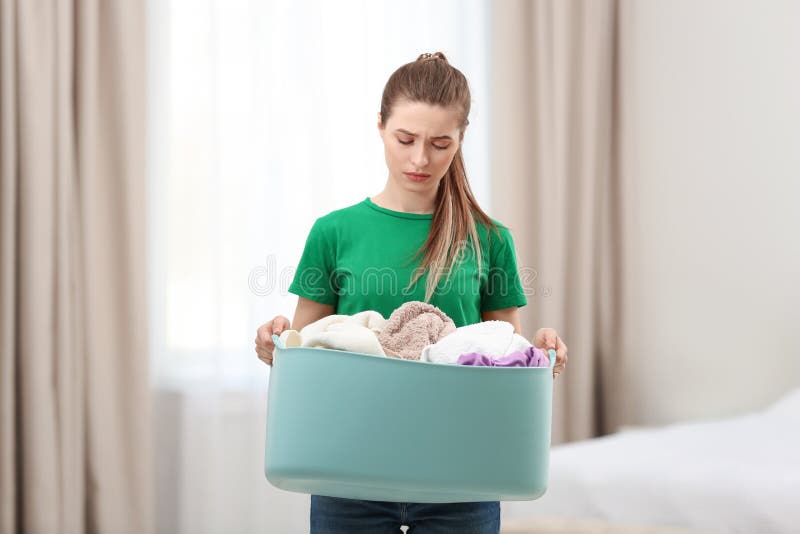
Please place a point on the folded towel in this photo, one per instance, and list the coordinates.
(353, 333)
(492, 338)
(411, 327)
(530, 357)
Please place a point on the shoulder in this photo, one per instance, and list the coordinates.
(499, 232)
(497, 241)
(337, 219)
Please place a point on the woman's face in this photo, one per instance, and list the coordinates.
(420, 140)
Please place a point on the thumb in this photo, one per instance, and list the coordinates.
(547, 338)
(279, 325)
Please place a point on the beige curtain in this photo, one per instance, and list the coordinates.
(554, 101)
(74, 425)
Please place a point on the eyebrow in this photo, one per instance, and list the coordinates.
(437, 137)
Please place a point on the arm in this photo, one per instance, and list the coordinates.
(308, 311)
(510, 315)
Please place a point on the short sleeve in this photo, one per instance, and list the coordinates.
(314, 278)
(503, 288)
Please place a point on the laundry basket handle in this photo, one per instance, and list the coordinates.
(552, 354)
(277, 340)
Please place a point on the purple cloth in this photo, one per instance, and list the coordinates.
(530, 357)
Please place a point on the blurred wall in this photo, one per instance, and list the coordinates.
(710, 159)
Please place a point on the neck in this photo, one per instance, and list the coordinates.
(397, 199)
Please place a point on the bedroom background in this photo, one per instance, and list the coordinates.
(645, 155)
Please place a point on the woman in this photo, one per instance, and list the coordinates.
(425, 228)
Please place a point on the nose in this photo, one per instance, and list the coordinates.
(419, 157)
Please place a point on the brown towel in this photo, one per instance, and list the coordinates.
(413, 326)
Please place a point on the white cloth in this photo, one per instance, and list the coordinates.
(492, 338)
(291, 338)
(369, 319)
(353, 333)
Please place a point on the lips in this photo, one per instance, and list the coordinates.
(416, 175)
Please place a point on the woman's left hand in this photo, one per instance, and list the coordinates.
(547, 338)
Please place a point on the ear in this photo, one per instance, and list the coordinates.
(380, 122)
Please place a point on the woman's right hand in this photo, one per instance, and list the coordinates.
(264, 344)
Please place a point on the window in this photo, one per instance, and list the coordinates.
(263, 118)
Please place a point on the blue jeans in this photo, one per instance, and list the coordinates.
(334, 515)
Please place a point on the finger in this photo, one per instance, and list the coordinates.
(545, 338)
(265, 334)
(561, 360)
(279, 325)
(550, 339)
(263, 353)
(561, 351)
(265, 343)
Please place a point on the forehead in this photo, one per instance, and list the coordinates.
(424, 119)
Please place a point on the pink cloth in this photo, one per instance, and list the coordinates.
(413, 326)
(530, 357)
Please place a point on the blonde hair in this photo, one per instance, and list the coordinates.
(432, 80)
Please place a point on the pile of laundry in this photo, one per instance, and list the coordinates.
(420, 331)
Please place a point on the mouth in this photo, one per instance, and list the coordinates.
(417, 177)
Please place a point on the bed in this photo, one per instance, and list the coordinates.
(737, 475)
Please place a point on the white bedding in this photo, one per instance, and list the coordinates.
(735, 475)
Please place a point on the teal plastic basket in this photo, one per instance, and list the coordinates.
(358, 426)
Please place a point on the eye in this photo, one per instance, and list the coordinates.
(434, 146)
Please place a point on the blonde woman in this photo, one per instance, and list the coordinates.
(423, 237)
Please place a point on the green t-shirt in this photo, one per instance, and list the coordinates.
(358, 258)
